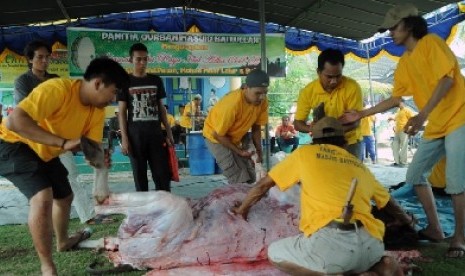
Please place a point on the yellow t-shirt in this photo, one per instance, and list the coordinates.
(347, 96)
(402, 117)
(56, 106)
(171, 121)
(437, 177)
(366, 125)
(325, 173)
(232, 116)
(186, 118)
(418, 73)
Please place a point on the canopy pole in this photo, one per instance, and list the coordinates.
(372, 100)
(263, 67)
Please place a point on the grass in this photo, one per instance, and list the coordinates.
(18, 257)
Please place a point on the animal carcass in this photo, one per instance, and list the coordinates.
(163, 231)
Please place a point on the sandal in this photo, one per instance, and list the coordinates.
(100, 219)
(455, 252)
(79, 237)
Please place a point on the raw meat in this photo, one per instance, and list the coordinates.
(163, 231)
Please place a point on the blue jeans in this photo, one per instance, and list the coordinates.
(368, 148)
(294, 142)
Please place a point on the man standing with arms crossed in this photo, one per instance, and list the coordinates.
(429, 71)
(141, 112)
(337, 92)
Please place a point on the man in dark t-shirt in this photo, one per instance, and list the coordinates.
(141, 113)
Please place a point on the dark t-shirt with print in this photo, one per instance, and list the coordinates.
(142, 98)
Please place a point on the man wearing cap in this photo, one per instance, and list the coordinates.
(338, 93)
(229, 121)
(193, 117)
(327, 244)
(429, 72)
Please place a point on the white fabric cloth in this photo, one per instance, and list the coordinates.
(82, 201)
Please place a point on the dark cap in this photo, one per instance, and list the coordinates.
(257, 78)
(327, 127)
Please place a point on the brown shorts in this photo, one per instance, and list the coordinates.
(30, 174)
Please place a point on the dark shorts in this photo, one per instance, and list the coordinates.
(30, 174)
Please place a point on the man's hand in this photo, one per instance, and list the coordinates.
(169, 140)
(350, 116)
(246, 154)
(414, 124)
(237, 210)
(259, 157)
(125, 148)
(107, 157)
(72, 145)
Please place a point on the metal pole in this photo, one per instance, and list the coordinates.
(264, 63)
(372, 103)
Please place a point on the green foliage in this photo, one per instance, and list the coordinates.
(18, 256)
(301, 70)
(285, 91)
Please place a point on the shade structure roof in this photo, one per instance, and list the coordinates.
(355, 19)
(323, 24)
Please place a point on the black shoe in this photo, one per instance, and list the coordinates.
(394, 164)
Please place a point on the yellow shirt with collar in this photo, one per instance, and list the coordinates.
(402, 117)
(233, 116)
(418, 73)
(347, 96)
(324, 192)
(366, 125)
(56, 107)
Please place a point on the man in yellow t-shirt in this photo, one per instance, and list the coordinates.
(356, 246)
(429, 72)
(337, 92)
(48, 122)
(228, 122)
(400, 143)
(192, 117)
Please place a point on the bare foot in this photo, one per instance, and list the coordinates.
(387, 266)
(431, 234)
(48, 270)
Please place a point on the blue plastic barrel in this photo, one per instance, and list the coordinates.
(201, 162)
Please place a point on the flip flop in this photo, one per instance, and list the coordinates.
(459, 252)
(423, 237)
(81, 235)
(100, 219)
